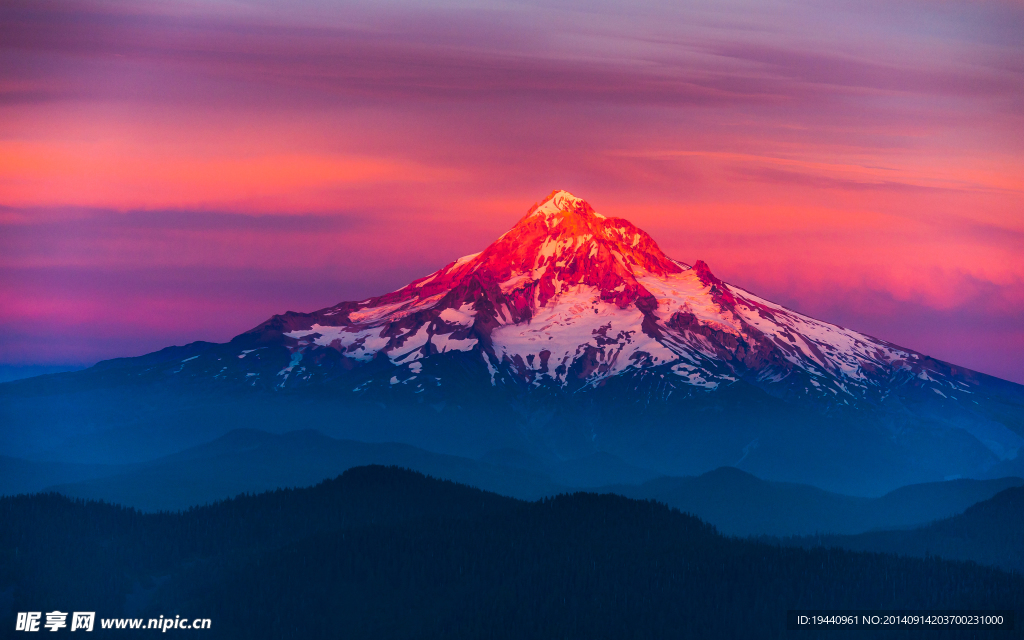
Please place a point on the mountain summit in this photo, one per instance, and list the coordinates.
(574, 335)
(560, 244)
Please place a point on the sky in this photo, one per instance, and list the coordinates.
(176, 171)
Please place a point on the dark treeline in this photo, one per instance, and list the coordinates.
(59, 551)
(387, 553)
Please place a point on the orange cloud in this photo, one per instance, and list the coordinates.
(124, 176)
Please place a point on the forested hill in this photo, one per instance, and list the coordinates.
(387, 553)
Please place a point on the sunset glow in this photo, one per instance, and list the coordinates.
(183, 172)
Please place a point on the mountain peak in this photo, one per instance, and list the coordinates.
(563, 242)
(561, 247)
(565, 222)
(561, 202)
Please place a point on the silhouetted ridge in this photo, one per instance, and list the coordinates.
(386, 553)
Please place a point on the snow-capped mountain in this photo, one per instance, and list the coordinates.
(569, 298)
(572, 335)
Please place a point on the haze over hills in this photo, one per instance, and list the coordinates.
(989, 532)
(248, 461)
(735, 502)
(739, 504)
(573, 335)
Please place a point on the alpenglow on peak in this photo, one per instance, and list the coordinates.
(562, 202)
(569, 298)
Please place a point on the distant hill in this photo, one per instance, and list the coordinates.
(387, 553)
(738, 503)
(30, 476)
(250, 461)
(990, 532)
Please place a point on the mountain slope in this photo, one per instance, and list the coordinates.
(572, 334)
